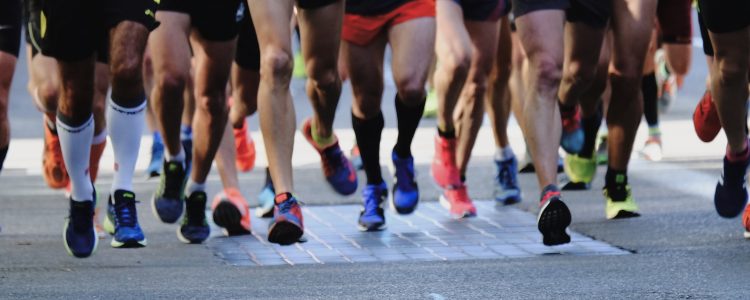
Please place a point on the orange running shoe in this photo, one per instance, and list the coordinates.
(444, 169)
(457, 201)
(746, 222)
(53, 166)
(231, 212)
(706, 119)
(245, 148)
(96, 154)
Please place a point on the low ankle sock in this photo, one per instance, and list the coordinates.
(616, 182)
(504, 153)
(368, 132)
(590, 129)
(186, 132)
(321, 141)
(408, 121)
(650, 104)
(193, 187)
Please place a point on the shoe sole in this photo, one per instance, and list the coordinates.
(553, 221)
(108, 226)
(445, 203)
(372, 228)
(70, 252)
(128, 244)
(264, 212)
(746, 234)
(284, 233)
(186, 240)
(227, 216)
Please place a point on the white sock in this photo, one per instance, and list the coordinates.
(180, 157)
(76, 148)
(125, 126)
(99, 138)
(193, 186)
(504, 153)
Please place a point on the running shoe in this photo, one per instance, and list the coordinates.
(554, 217)
(506, 189)
(265, 199)
(456, 200)
(167, 202)
(731, 191)
(157, 156)
(372, 215)
(430, 104)
(245, 148)
(298, 70)
(194, 228)
(79, 235)
(527, 165)
(706, 119)
(94, 157)
(286, 228)
(405, 195)
(337, 169)
(231, 212)
(652, 149)
(54, 173)
(356, 158)
(602, 151)
(572, 131)
(666, 82)
(127, 233)
(580, 172)
(625, 208)
(444, 169)
(746, 222)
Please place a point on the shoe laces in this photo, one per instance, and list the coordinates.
(286, 206)
(125, 213)
(333, 160)
(404, 174)
(373, 196)
(81, 216)
(173, 179)
(505, 176)
(460, 195)
(195, 208)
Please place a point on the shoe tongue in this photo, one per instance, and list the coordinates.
(280, 198)
(124, 194)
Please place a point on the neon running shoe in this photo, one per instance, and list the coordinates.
(286, 228)
(730, 196)
(456, 200)
(706, 119)
(444, 170)
(337, 169)
(157, 156)
(372, 215)
(572, 132)
(127, 233)
(231, 212)
(580, 172)
(54, 173)
(430, 105)
(245, 148)
(602, 151)
(506, 189)
(299, 66)
(194, 228)
(625, 208)
(554, 217)
(652, 149)
(79, 235)
(405, 195)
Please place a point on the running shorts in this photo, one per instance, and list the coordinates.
(214, 20)
(723, 16)
(675, 21)
(708, 49)
(595, 13)
(313, 4)
(71, 30)
(361, 30)
(32, 15)
(10, 26)
(248, 50)
(484, 10)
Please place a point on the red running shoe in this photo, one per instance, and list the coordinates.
(231, 212)
(457, 201)
(706, 119)
(245, 148)
(444, 170)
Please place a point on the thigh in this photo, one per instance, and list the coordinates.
(541, 33)
(484, 36)
(632, 23)
(412, 44)
(271, 20)
(169, 47)
(452, 36)
(213, 62)
(366, 75)
(320, 32)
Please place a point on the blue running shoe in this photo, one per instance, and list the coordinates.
(572, 131)
(731, 192)
(286, 228)
(167, 202)
(372, 216)
(337, 169)
(128, 233)
(79, 234)
(265, 199)
(405, 191)
(194, 228)
(157, 156)
(109, 218)
(506, 182)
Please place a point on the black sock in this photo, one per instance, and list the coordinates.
(615, 183)
(408, 121)
(3, 152)
(368, 139)
(590, 129)
(448, 134)
(566, 108)
(650, 104)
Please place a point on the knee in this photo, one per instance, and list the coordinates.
(211, 102)
(47, 94)
(126, 71)
(410, 91)
(548, 71)
(278, 64)
(326, 80)
(731, 71)
(458, 63)
(171, 83)
(579, 73)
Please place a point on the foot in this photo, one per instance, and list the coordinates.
(444, 170)
(730, 196)
(265, 201)
(506, 182)
(127, 232)
(372, 215)
(580, 171)
(337, 169)
(356, 158)
(79, 235)
(245, 149)
(231, 212)
(602, 151)
(430, 105)
(652, 149)
(554, 217)
(167, 202)
(286, 228)
(194, 228)
(706, 119)
(620, 204)
(458, 203)
(572, 133)
(405, 191)
(54, 171)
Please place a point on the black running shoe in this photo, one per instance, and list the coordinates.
(731, 191)
(554, 217)
(194, 228)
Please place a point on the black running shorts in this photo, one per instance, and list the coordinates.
(10, 26)
(484, 10)
(248, 50)
(313, 4)
(214, 20)
(72, 30)
(723, 16)
(595, 13)
(708, 49)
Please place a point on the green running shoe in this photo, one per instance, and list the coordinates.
(580, 169)
(299, 66)
(627, 208)
(430, 105)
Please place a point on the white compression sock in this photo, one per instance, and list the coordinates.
(76, 148)
(504, 153)
(125, 126)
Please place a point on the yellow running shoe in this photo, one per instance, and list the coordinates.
(430, 105)
(627, 208)
(299, 66)
(580, 169)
